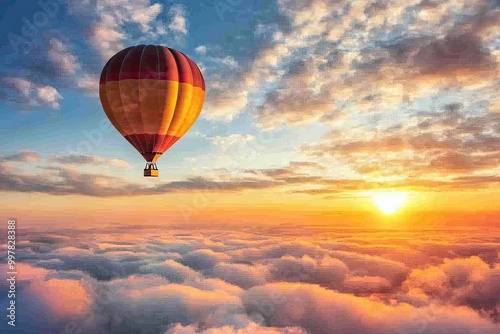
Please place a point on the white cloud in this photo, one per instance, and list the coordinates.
(109, 33)
(146, 16)
(90, 83)
(178, 20)
(232, 140)
(61, 57)
(201, 50)
(229, 61)
(238, 281)
(251, 328)
(107, 40)
(32, 94)
(49, 95)
(345, 45)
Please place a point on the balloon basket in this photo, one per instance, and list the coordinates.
(151, 170)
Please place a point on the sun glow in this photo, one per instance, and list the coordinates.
(389, 202)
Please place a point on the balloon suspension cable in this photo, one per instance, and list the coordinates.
(151, 165)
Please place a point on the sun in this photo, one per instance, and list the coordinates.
(389, 201)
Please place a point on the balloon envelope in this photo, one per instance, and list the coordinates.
(152, 95)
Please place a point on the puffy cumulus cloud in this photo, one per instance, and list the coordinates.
(461, 281)
(433, 149)
(28, 95)
(178, 23)
(89, 83)
(61, 57)
(306, 262)
(108, 33)
(56, 294)
(170, 269)
(280, 280)
(172, 303)
(328, 59)
(367, 284)
(108, 25)
(450, 55)
(328, 271)
(300, 98)
(30, 273)
(242, 275)
(319, 310)
(250, 329)
(226, 101)
(201, 50)
(57, 65)
(203, 258)
(49, 299)
(369, 265)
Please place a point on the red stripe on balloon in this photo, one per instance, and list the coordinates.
(170, 64)
(198, 80)
(185, 74)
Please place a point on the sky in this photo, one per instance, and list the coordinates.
(311, 108)
(343, 175)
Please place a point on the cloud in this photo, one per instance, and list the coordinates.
(227, 98)
(367, 284)
(201, 50)
(250, 329)
(461, 281)
(55, 294)
(453, 53)
(299, 98)
(81, 159)
(203, 259)
(62, 176)
(233, 140)
(178, 20)
(65, 181)
(70, 181)
(283, 279)
(440, 148)
(24, 156)
(89, 83)
(59, 54)
(27, 94)
(311, 307)
(358, 57)
(171, 270)
(242, 275)
(108, 26)
(109, 30)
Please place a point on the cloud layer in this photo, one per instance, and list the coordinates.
(421, 162)
(279, 280)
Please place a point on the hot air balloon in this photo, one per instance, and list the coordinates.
(152, 95)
